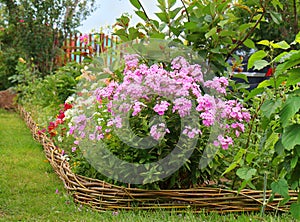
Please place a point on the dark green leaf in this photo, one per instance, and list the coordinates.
(290, 136)
(279, 148)
(246, 173)
(281, 187)
(295, 210)
(276, 17)
(293, 77)
(254, 93)
(249, 43)
(290, 108)
(270, 106)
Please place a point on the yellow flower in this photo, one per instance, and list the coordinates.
(108, 136)
(21, 60)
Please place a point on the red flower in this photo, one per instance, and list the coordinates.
(51, 129)
(61, 115)
(41, 131)
(68, 106)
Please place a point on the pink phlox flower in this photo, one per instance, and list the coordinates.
(224, 142)
(106, 92)
(239, 127)
(137, 107)
(131, 61)
(73, 149)
(158, 131)
(124, 107)
(183, 106)
(92, 136)
(179, 62)
(161, 107)
(100, 136)
(218, 83)
(205, 102)
(208, 117)
(246, 115)
(191, 132)
(116, 121)
(196, 73)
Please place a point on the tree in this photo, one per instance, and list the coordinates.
(36, 29)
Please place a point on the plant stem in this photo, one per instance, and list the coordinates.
(252, 123)
(143, 9)
(248, 34)
(186, 11)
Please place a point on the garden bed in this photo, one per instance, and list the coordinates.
(103, 196)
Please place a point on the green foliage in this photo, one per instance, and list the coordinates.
(35, 31)
(48, 93)
(280, 111)
(216, 29)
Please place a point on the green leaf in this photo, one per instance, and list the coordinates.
(290, 136)
(264, 42)
(236, 162)
(171, 3)
(295, 210)
(294, 162)
(162, 16)
(254, 93)
(241, 76)
(281, 187)
(211, 32)
(276, 17)
(249, 43)
(269, 107)
(290, 108)
(297, 39)
(260, 64)
(280, 45)
(276, 3)
(142, 15)
(246, 26)
(246, 173)
(158, 35)
(175, 12)
(293, 77)
(292, 59)
(256, 56)
(136, 4)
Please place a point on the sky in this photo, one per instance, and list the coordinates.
(108, 10)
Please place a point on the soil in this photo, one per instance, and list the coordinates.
(7, 100)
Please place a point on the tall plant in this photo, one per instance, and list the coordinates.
(35, 29)
(216, 29)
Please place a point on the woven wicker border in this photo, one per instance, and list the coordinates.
(103, 196)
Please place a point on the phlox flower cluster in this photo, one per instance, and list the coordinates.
(175, 90)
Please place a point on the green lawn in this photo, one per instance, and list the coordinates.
(28, 187)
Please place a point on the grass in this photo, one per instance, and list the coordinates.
(28, 187)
